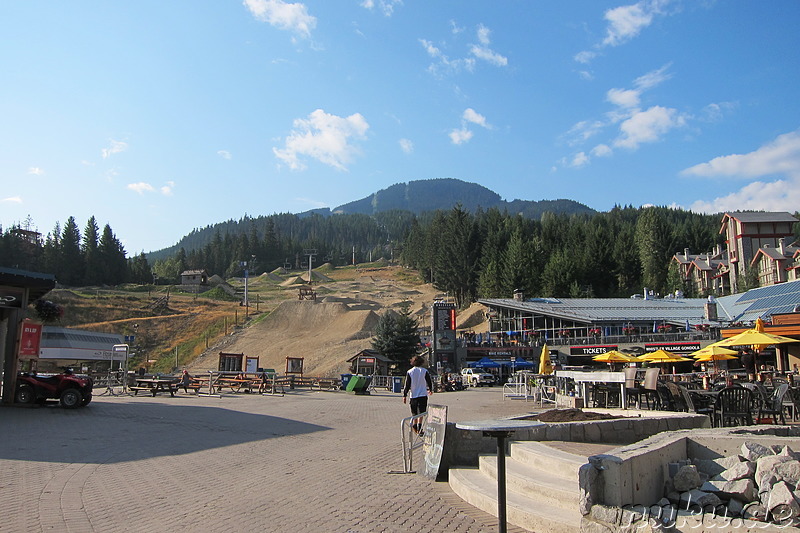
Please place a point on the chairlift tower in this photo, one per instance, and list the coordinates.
(310, 253)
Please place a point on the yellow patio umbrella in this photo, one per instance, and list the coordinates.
(662, 356)
(714, 349)
(711, 356)
(615, 356)
(759, 327)
(751, 337)
(545, 365)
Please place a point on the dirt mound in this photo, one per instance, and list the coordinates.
(569, 415)
(271, 276)
(294, 280)
(325, 334)
(473, 318)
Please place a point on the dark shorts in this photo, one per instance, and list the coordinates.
(418, 405)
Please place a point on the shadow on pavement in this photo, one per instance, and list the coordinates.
(118, 432)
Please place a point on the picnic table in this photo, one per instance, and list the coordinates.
(236, 384)
(154, 386)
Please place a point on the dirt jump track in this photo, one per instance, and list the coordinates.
(320, 332)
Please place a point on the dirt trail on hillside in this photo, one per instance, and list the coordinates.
(327, 331)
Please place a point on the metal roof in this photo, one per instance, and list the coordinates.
(594, 310)
(761, 302)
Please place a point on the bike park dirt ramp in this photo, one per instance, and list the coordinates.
(325, 334)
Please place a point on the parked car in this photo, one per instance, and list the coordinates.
(475, 377)
(70, 390)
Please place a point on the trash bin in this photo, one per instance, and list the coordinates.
(397, 383)
(345, 380)
(356, 383)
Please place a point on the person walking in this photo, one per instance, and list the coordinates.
(419, 385)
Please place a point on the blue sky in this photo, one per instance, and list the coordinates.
(160, 117)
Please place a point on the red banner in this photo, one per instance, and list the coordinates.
(29, 339)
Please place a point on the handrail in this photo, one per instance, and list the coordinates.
(411, 438)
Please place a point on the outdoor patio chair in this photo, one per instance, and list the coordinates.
(677, 401)
(760, 395)
(792, 401)
(632, 390)
(773, 408)
(649, 388)
(733, 407)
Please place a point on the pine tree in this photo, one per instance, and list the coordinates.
(93, 268)
(70, 260)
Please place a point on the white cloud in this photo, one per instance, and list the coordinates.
(580, 159)
(115, 148)
(461, 135)
(455, 29)
(624, 97)
(602, 150)
(282, 15)
(386, 6)
(12, 200)
(406, 145)
(482, 51)
(648, 126)
(464, 134)
(323, 137)
(781, 156)
(166, 189)
(443, 63)
(716, 111)
(470, 115)
(36, 171)
(224, 154)
(623, 23)
(585, 57)
(583, 131)
(779, 195)
(653, 78)
(626, 22)
(140, 187)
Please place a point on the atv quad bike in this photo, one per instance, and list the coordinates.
(70, 390)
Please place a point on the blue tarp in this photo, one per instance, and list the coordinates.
(484, 362)
(520, 364)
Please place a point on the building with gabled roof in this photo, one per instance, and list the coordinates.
(746, 232)
(773, 264)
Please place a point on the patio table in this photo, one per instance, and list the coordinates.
(499, 429)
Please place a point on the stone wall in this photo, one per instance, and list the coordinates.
(614, 488)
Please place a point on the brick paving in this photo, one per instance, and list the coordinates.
(307, 461)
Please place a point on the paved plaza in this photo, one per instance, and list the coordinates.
(307, 461)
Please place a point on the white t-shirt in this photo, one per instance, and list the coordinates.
(419, 385)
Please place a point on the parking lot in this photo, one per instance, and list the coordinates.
(306, 461)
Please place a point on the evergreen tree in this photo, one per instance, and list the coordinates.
(383, 341)
(140, 270)
(652, 242)
(456, 260)
(112, 256)
(93, 268)
(69, 269)
(397, 335)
